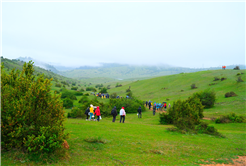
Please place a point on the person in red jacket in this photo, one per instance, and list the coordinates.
(97, 113)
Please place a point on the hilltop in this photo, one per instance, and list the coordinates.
(178, 86)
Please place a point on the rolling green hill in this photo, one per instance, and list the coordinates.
(178, 86)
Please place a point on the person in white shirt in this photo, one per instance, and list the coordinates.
(122, 114)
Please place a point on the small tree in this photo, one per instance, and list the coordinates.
(31, 116)
(193, 86)
(103, 90)
(237, 68)
(207, 97)
(239, 79)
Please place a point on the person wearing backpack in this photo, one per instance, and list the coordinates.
(114, 113)
(122, 114)
(91, 111)
(87, 113)
(146, 103)
(139, 112)
(154, 108)
(149, 105)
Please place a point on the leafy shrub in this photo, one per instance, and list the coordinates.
(99, 85)
(84, 99)
(75, 112)
(188, 111)
(103, 90)
(81, 90)
(78, 94)
(118, 85)
(68, 94)
(31, 116)
(129, 93)
(57, 85)
(207, 97)
(203, 127)
(86, 94)
(67, 103)
(193, 86)
(239, 79)
(231, 118)
(74, 88)
(74, 83)
(230, 94)
(238, 74)
(56, 91)
(91, 89)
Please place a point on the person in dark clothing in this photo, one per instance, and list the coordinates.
(146, 103)
(154, 108)
(139, 112)
(114, 113)
(86, 113)
(149, 105)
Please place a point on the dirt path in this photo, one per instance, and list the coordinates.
(241, 161)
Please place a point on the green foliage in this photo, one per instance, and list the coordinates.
(103, 90)
(130, 105)
(84, 99)
(231, 118)
(67, 103)
(57, 85)
(207, 97)
(184, 114)
(81, 90)
(56, 91)
(91, 89)
(68, 94)
(129, 93)
(204, 128)
(99, 85)
(31, 117)
(78, 93)
(74, 88)
(75, 112)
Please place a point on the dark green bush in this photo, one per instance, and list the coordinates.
(68, 94)
(239, 79)
(207, 97)
(78, 94)
(103, 90)
(231, 118)
(31, 116)
(91, 89)
(203, 127)
(74, 88)
(67, 103)
(75, 112)
(216, 78)
(223, 78)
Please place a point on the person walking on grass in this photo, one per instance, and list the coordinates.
(114, 113)
(154, 108)
(149, 105)
(122, 114)
(87, 111)
(91, 111)
(139, 112)
(146, 103)
(165, 106)
(169, 105)
(97, 113)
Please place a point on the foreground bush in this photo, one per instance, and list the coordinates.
(185, 116)
(31, 116)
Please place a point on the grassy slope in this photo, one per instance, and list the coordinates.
(151, 89)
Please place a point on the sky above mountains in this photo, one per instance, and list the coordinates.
(186, 34)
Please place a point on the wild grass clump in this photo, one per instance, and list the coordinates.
(230, 94)
(216, 79)
(231, 118)
(95, 140)
(223, 78)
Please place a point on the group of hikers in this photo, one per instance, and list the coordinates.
(90, 112)
(102, 95)
(157, 106)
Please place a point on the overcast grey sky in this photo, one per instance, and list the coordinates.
(187, 34)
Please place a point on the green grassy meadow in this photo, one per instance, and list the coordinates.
(144, 141)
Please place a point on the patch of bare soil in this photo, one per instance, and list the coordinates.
(207, 118)
(241, 161)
